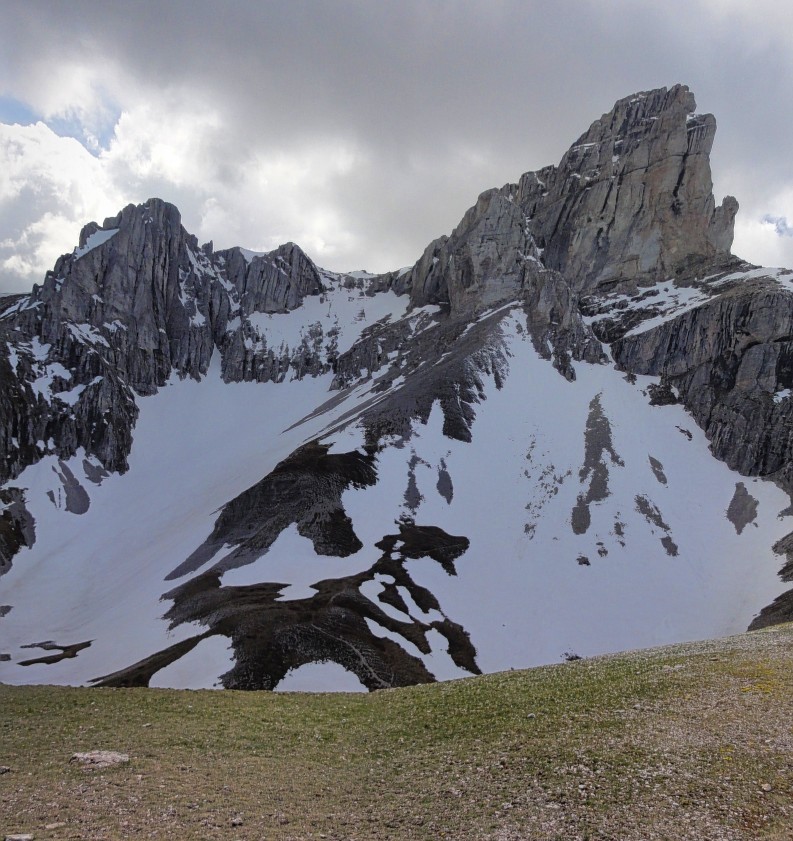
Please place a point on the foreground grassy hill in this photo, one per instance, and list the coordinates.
(684, 742)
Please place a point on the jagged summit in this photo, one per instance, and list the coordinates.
(633, 197)
(500, 453)
(630, 201)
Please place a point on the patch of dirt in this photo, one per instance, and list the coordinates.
(270, 636)
(658, 470)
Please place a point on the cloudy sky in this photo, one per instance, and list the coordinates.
(360, 130)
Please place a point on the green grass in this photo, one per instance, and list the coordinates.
(672, 743)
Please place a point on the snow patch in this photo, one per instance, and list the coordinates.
(94, 241)
(320, 677)
(200, 668)
(250, 255)
(87, 334)
(13, 357)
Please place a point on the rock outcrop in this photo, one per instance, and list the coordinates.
(136, 301)
(633, 198)
(485, 260)
(729, 359)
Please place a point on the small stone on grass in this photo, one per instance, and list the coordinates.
(100, 758)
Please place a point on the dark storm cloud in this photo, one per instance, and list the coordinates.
(438, 100)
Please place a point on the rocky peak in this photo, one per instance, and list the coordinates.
(632, 199)
(277, 281)
(630, 202)
(481, 263)
(137, 300)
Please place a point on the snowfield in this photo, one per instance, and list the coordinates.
(596, 521)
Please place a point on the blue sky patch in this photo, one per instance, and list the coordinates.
(70, 127)
(14, 111)
(780, 223)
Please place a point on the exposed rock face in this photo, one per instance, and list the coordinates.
(16, 527)
(727, 359)
(492, 257)
(632, 198)
(136, 301)
(128, 280)
(483, 262)
(305, 490)
(277, 281)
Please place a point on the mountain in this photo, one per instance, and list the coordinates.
(564, 430)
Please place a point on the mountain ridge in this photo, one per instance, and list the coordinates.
(615, 263)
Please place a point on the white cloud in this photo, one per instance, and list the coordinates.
(781, 226)
(365, 135)
(50, 187)
(163, 141)
(258, 197)
(757, 242)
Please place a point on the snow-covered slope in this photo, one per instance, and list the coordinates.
(564, 430)
(594, 522)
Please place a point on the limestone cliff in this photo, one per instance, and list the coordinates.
(633, 197)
